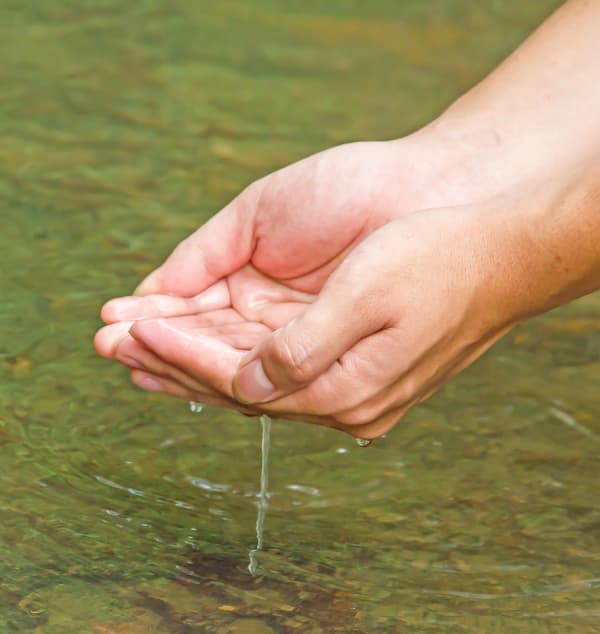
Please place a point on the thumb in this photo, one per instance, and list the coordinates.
(309, 344)
(219, 247)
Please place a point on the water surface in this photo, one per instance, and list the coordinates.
(124, 126)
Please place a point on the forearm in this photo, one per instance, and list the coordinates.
(550, 244)
(539, 111)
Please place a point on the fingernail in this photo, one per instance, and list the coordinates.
(148, 383)
(252, 385)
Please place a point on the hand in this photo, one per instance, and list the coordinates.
(423, 297)
(419, 300)
(416, 302)
(208, 337)
(411, 306)
(267, 254)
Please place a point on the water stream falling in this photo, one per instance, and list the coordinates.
(263, 502)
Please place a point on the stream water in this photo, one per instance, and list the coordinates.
(124, 126)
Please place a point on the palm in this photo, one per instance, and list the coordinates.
(297, 223)
(310, 214)
(224, 323)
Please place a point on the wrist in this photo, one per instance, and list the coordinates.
(564, 235)
(467, 162)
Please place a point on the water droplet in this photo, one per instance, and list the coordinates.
(363, 442)
(196, 407)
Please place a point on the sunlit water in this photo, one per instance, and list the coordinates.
(125, 125)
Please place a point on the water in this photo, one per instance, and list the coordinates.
(124, 126)
(263, 501)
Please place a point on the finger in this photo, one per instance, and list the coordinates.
(240, 336)
(298, 353)
(216, 249)
(358, 377)
(116, 344)
(135, 355)
(151, 306)
(236, 333)
(155, 383)
(208, 359)
(158, 383)
(108, 338)
(376, 428)
(150, 381)
(254, 292)
(172, 380)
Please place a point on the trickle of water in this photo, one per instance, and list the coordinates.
(363, 442)
(263, 502)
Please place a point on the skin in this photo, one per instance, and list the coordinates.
(317, 295)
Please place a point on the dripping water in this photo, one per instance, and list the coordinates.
(263, 502)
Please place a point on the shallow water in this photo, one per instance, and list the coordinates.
(123, 126)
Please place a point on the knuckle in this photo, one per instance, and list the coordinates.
(292, 357)
(322, 397)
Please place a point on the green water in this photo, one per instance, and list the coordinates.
(122, 127)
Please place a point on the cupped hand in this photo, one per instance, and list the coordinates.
(418, 300)
(296, 224)
(268, 252)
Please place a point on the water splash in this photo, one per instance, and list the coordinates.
(263, 502)
(363, 442)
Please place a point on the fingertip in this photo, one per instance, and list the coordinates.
(139, 329)
(107, 339)
(149, 285)
(98, 343)
(118, 309)
(105, 313)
